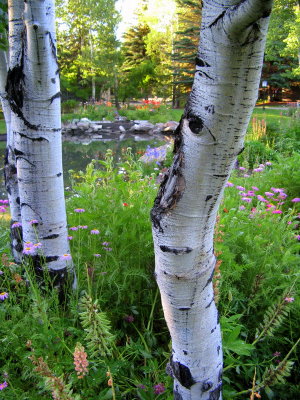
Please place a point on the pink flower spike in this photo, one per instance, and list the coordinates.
(79, 210)
(276, 212)
(66, 257)
(296, 200)
(94, 232)
(3, 296)
(289, 299)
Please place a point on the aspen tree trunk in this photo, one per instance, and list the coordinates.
(10, 171)
(34, 97)
(208, 140)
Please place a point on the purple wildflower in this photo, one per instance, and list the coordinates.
(1, 272)
(97, 255)
(268, 163)
(38, 245)
(82, 226)
(3, 385)
(298, 237)
(296, 200)
(3, 296)
(277, 354)
(79, 210)
(33, 222)
(246, 176)
(105, 243)
(16, 225)
(66, 257)
(247, 199)
(29, 250)
(240, 188)
(255, 188)
(229, 184)
(276, 212)
(107, 248)
(94, 232)
(70, 237)
(242, 208)
(282, 196)
(258, 169)
(242, 168)
(74, 228)
(159, 388)
(2, 209)
(129, 318)
(289, 299)
(269, 194)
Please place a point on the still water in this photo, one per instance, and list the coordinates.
(76, 156)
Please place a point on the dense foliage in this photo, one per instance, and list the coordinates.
(109, 339)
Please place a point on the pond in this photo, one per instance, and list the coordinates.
(76, 156)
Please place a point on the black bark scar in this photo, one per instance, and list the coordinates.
(167, 249)
(38, 139)
(216, 393)
(54, 236)
(182, 373)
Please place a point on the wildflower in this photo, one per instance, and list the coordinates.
(38, 245)
(82, 226)
(277, 354)
(29, 250)
(94, 232)
(229, 184)
(110, 382)
(242, 168)
(80, 361)
(3, 385)
(66, 257)
(2, 209)
(269, 194)
(74, 228)
(1, 272)
(282, 196)
(129, 318)
(105, 243)
(241, 188)
(33, 222)
(125, 204)
(250, 193)
(159, 388)
(289, 299)
(261, 198)
(298, 237)
(16, 225)
(97, 255)
(247, 199)
(79, 210)
(255, 188)
(140, 386)
(3, 296)
(258, 169)
(261, 165)
(268, 163)
(107, 248)
(289, 222)
(70, 237)
(246, 176)
(276, 212)
(296, 200)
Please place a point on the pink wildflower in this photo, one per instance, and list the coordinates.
(29, 250)
(159, 388)
(276, 212)
(289, 299)
(241, 188)
(80, 361)
(242, 168)
(2, 209)
(296, 200)
(255, 188)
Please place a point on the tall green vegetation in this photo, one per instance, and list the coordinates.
(87, 46)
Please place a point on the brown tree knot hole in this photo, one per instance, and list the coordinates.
(195, 123)
(182, 373)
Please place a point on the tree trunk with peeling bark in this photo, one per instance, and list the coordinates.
(33, 95)
(207, 142)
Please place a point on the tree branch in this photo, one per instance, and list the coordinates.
(241, 16)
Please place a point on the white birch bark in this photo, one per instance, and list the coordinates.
(10, 59)
(208, 140)
(34, 94)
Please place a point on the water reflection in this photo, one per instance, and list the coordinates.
(76, 156)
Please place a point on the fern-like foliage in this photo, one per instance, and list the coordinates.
(273, 318)
(99, 339)
(274, 375)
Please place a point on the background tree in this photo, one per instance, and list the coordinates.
(282, 48)
(87, 46)
(209, 138)
(33, 94)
